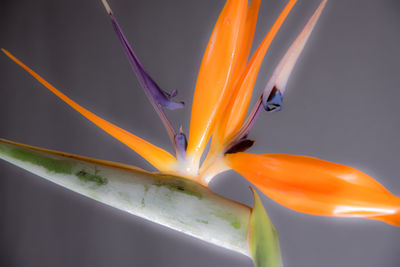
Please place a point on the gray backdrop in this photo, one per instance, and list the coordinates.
(341, 105)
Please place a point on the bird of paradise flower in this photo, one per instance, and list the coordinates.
(221, 101)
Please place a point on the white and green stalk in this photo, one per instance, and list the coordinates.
(172, 201)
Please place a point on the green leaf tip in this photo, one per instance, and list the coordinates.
(262, 237)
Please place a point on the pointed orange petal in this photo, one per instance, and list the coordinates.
(250, 28)
(317, 187)
(236, 110)
(247, 39)
(215, 76)
(158, 157)
(246, 42)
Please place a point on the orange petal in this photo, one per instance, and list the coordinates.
(246, 42)
(317, 187)
(247, 39)
(158, 157)
(236, 110)
(215, 76)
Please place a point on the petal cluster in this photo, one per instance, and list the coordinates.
(220, 102)
(224, 88)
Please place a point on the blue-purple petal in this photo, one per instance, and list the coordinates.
(158, 97)
(154, 92)
(273, 102)
(180, 144)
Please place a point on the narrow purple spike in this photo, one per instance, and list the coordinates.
(158, 97)
(161, 97)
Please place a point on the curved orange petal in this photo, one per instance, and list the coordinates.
(236, 110)
(158, 157)
(247, 38)
(245, 47)
(317, 187)
(215, 76)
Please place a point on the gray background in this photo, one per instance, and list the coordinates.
(341, 105)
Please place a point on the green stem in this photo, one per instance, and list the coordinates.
(172, 201)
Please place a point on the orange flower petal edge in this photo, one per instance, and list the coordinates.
(272, 95)
(232, 114)
(246, 44)
(317, 187)
(215, 76)
(156, 156)
(236, 110)
(246, 40)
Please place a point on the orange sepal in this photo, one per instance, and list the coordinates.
(236, 110)
(317, 187)
(245, 47)
(215, 76)
(247, 38)
(158, 157)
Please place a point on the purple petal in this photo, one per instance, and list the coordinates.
(151, 88)
(162, 97)
(174, 93)
(158, 97)
(274, 101)
(181, 145)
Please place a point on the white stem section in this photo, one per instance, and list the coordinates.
(175, 202)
